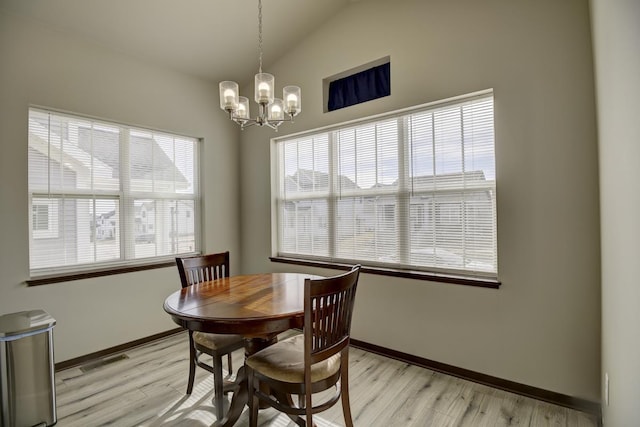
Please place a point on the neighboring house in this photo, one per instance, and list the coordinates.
(106, 226)
(145, 220)
(306, 219)
(176, 222)
(438, 221)
(48, 213)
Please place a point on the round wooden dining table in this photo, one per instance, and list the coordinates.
(256, 306)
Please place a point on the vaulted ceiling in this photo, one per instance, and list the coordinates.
(212, 39)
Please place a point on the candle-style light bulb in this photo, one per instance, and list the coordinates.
(276, 110)
(292, 101)
(229, 98)
(263, 92)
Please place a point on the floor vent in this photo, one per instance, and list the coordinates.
(103, 362)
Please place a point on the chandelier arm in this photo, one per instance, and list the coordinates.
(247, 124)
(272, 126)
(278, 121)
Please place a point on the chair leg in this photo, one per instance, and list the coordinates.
(192, 363)
(308, 405)
(217, 386)
(229, 365)
(344, 393)
(253, 399)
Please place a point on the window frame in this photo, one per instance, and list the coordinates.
(466, 277)
(123, 197)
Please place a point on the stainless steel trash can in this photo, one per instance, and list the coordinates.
(27, 383)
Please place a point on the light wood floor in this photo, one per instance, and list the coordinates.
(147, 389)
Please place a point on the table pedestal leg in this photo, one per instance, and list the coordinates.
(241, 393)
(238, 401)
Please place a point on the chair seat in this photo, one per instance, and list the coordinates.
(216, 341)
(284, 361)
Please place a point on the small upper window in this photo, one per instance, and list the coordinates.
(360, 87)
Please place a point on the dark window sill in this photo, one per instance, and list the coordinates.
(409, 274)
(67, 277)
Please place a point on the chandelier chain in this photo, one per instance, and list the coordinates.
(260, 34)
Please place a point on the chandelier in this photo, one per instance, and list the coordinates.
(272, 111)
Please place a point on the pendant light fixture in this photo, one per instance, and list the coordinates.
(272, 111)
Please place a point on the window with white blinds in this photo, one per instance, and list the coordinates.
(410, 190)
(105, 194)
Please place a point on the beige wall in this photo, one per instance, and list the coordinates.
(542, 328)
(41, 67)
(616, 34)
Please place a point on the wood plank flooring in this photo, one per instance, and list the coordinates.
(146, 388)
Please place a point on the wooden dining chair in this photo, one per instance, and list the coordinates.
(199, 269)
(314, 361)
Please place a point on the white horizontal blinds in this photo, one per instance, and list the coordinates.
(161, 163)
(367, 208)
(70, 155)
(452, 212)
(74, 182)
(480, 207)
(163, 227)
(303, 204)
(81, 185)
(414, 190)
(162, 177)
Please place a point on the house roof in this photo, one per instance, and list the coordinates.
(309, 180)
(151, 161)
(449, 179)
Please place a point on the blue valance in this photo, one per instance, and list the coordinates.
(360, 87)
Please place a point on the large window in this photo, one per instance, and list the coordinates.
(410, 190)
(105, 194)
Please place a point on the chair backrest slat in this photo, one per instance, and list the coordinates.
(328, 312)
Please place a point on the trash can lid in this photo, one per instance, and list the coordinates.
(24, 322)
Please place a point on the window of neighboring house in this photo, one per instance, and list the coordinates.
(44, 217)
(105, 194)
(409, 190)
(449, 214)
